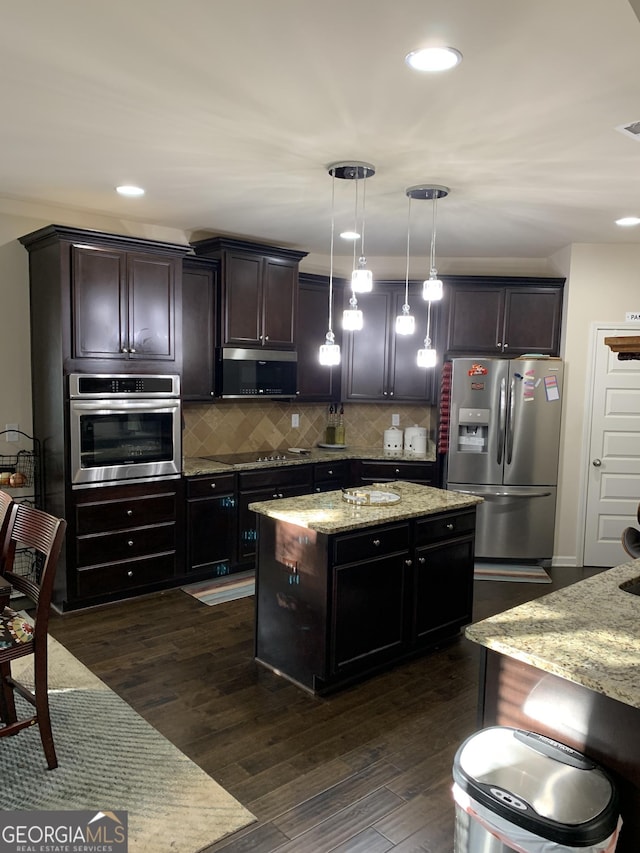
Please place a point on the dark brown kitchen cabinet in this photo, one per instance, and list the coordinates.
(123, 304)
(442, 575)
(317, 382)
(259, 292)
(332, 609)
(263, 485)
(125, 540)
(211, 524)
(381, 471)
(199, 327)
(380, 365)
(503, 316)
(328, 476)
(101, 299)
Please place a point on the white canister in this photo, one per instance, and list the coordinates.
(392, 442)
(415, 441)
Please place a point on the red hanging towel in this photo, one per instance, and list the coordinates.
(445, 402)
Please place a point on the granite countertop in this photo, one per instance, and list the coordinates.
(588, 633)
(192, 466)
(327, 512)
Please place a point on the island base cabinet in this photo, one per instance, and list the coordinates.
(333, 609)
(514, 693)
(291, 602)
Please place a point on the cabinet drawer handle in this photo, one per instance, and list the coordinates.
(129, 574)
(129, 512)
(422, 560)
(499, 344)
(317, 488)
(132, 349)
(376, 542)
(330, 471)
(408, 562)
(266, 337)
(130, 543)
(280, 495)
(124, 349)
(450, 526)
(397, 470)
(212, 485)
(506, 346)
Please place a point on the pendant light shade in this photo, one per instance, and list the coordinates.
(352, 318)
(432, 287)
(330, 351)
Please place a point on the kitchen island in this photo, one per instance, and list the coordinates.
(345, 590)
(567, 665)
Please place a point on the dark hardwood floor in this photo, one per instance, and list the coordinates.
(367, 769)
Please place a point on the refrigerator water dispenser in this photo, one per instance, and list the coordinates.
(473, 430)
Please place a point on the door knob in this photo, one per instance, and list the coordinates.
(597, 463)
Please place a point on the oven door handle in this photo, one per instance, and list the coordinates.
(114, 406)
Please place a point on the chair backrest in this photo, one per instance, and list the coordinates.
(43, 533)
(5, 505)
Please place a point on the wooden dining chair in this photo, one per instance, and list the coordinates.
(6, 501)
(43, 533)
(631, 542)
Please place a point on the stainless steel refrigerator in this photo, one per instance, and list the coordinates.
(504, 435)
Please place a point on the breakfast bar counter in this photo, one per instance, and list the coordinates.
(567, 665)
(344, 590)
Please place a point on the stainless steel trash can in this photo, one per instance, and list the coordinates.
(517, 790)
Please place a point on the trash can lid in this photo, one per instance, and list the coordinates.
(539, 784)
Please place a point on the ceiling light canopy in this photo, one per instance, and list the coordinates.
(433, 59)
(129, 190)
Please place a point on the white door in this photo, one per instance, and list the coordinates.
(613, 481)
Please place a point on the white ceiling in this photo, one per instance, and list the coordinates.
(229, 111)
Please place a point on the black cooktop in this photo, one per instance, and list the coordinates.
(251, 457)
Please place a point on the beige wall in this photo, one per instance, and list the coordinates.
(602, 283)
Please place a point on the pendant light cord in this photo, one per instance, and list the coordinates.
(333, 218)
(364, 202)
(433, 271)
(406, 277)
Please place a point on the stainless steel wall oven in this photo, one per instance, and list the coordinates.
(124, 428)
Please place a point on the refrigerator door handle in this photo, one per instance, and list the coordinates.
(510, 421)
(511, 495)
(502, 414)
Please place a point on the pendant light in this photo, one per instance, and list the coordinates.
(329, 354)
(406, 322)
(432, 287)
(352, 319)
(356, 170)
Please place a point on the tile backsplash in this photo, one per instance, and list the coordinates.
(231, 427)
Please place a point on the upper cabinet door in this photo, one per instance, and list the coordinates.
(317, 382)
(99, 303)
(242, 300)
(532, 322)
(199, 295)
(476, 320)
(367, 351)
(151, 295)
(279, 303)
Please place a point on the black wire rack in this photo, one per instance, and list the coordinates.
(21, 477)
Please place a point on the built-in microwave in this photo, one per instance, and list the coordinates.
(246, 373)
(123, 428)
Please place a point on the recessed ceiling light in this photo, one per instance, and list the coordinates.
(349, 235)
(628, 220)
(434, 58)
(127, 189)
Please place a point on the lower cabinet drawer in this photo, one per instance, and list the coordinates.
(103, 515)
(124, 544)
(354, 547)
(445, 526)
(417, 472)
(119, 577)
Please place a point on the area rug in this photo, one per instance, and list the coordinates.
(227, 588)
(510, 572)
(111, 759)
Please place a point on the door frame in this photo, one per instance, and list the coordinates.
(595, 328)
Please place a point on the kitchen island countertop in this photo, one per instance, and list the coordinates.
(588, 633)
(327, 512)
